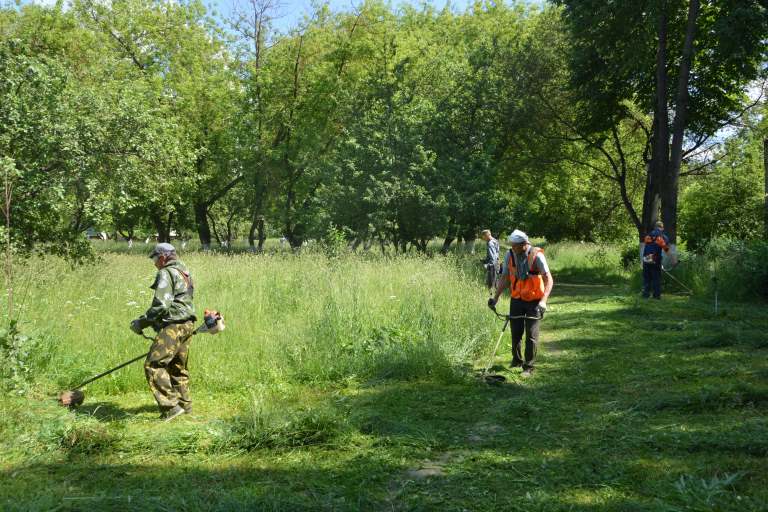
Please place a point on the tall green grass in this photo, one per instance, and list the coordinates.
(338, 380)
(289, 318)
(585, 263)
(298, 318)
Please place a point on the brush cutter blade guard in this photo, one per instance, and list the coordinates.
(213, 322)
(669, 259)
(71, 398)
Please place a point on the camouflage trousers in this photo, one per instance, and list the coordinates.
(166, 366)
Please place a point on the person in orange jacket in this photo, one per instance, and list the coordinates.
(655, 242)
(526, 274)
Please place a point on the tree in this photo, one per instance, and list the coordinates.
(686, 61)
(729, 200)
(176, 58)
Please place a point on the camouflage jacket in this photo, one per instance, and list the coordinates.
(172, 302)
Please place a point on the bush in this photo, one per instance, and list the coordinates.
(17, 358)
(728, 201)
(629, 254)
(741, 268)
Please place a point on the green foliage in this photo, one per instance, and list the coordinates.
(748, 258)
(614, 51)
(334, 243)
(394, 126)
(729, 201)
(20, 358)
(681, 61)
(39, 171)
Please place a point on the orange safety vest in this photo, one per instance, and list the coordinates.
(659, 240)
(531, 288)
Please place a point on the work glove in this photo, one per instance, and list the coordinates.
(492, 303)
(542, 308)
(136, 327)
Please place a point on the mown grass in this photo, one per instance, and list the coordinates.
(349, 384)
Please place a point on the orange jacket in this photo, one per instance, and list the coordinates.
(531, 288)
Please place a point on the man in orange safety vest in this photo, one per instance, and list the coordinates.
(526, 273)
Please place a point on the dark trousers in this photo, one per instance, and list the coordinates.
(524, 325)
(491, 276)
(651, 280)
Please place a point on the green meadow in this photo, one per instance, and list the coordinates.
(351, 383)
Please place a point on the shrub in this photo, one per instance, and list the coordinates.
(17, 357)
(748, 260)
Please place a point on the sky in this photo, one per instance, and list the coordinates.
(292, 11)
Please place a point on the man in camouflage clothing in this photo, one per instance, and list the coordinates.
(172, 316)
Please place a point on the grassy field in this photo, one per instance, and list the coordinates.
(351, 384)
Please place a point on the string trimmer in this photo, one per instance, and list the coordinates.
(213, 323)
(496, 378)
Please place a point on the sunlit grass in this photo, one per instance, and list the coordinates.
(338, 380)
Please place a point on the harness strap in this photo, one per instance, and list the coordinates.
(186, 277)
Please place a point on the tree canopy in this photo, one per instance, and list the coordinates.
(579, 120)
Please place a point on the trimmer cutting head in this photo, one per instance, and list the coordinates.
(494, 379)
(71, 398)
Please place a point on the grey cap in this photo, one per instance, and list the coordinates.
(517, 237)
(162, 248)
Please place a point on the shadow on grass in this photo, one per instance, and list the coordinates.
(636, 417)
(109, 411)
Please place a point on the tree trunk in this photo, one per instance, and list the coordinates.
(450, 236)
(231, 235)
(203, 226)
(262, 233)
(289, 228)
(215, 231)
(671, 185)
(660, 158)
(765, 173)
(651, 201)
(468, 236)
(163, 227)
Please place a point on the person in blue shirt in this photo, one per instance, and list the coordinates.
(491, 261)
(655, 242)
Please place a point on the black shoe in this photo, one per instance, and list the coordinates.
(516, 364)
(173, 413)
